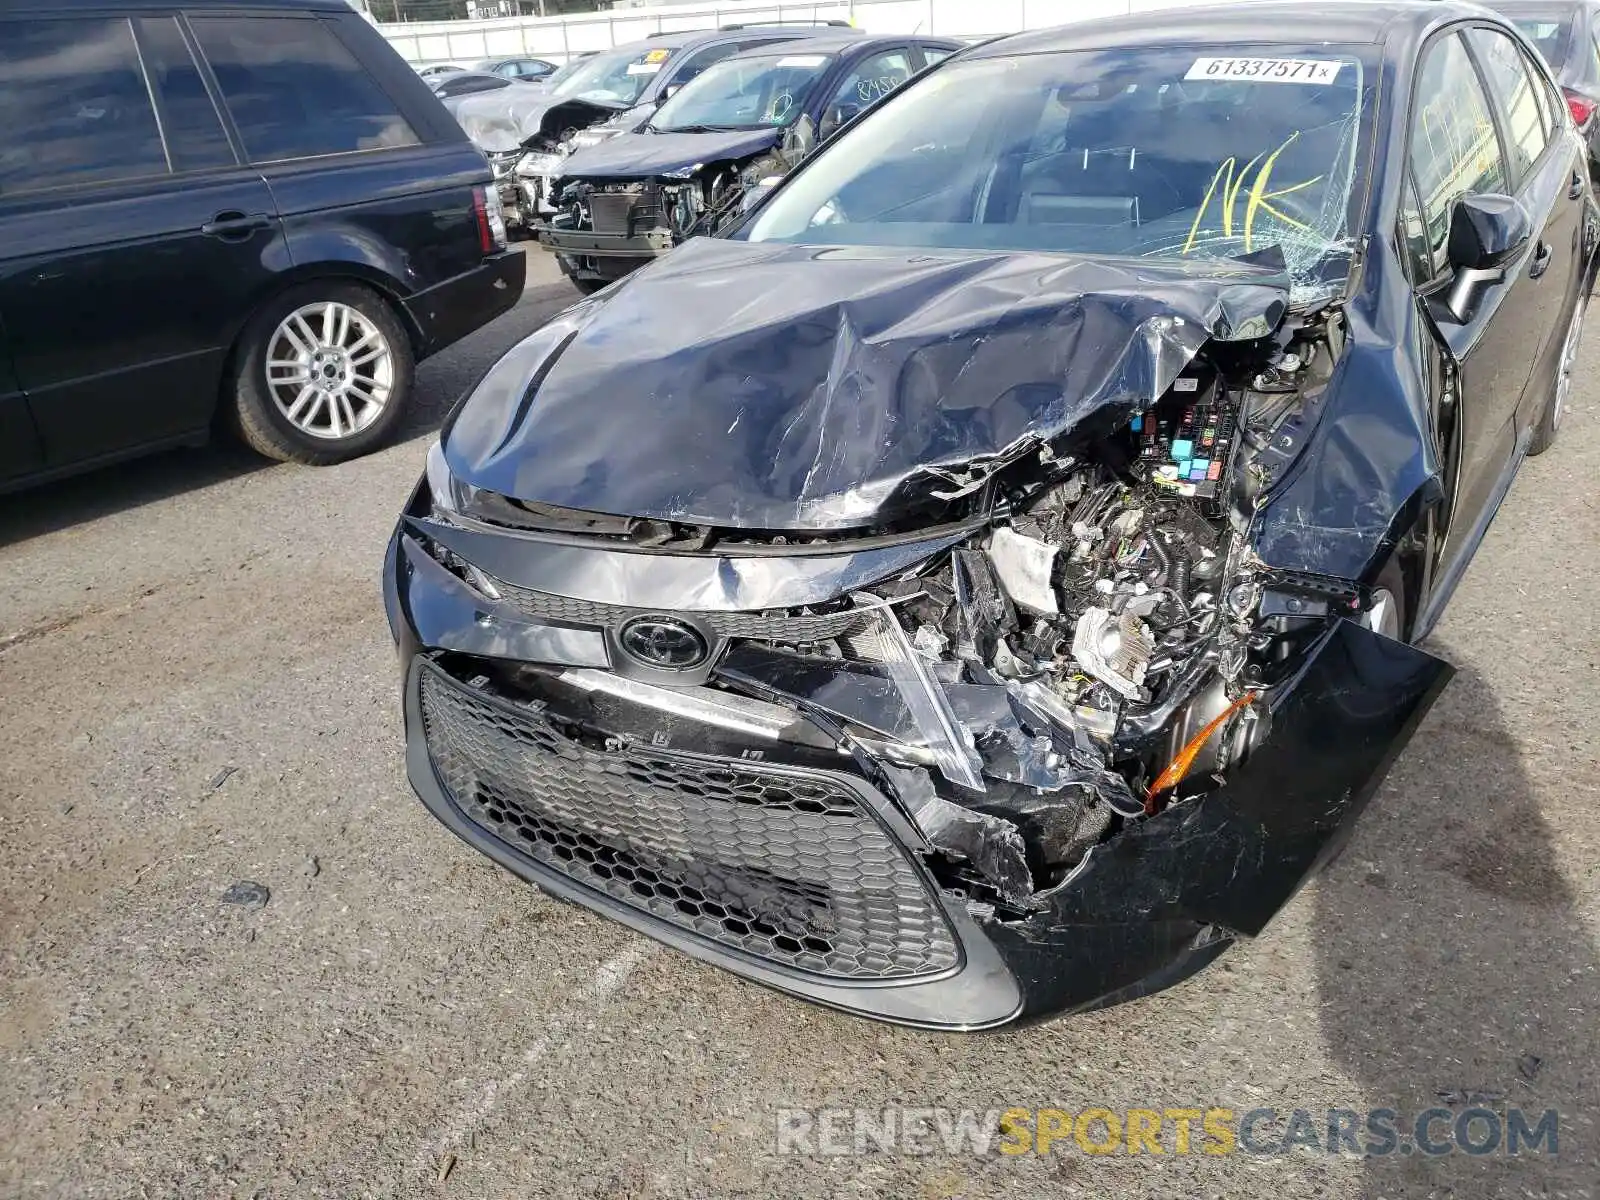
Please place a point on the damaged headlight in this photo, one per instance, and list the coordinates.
(451, 497)
(537, 165)
(585, 138)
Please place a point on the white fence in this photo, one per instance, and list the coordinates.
(558, 38)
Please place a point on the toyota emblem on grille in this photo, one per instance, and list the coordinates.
(663, 643)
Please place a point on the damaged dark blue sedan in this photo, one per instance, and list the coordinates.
(986, 583)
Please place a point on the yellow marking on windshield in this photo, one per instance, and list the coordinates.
(1258, 199)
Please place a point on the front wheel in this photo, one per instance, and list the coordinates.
(323, 374)
(1561, 391)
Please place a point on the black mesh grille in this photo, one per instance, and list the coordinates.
(796, 628)
(790, 866)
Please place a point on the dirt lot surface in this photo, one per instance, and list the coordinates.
(198, 713)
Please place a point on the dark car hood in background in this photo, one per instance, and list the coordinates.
(640, 155)
(770, 386)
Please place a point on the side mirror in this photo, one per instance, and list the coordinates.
(798, 140)
(668, 92)
(1487, 231)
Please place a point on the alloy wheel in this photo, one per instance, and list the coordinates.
(1569, 362)
(330, 370)
(1383, 617)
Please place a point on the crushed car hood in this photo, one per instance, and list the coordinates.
(638, 155)
(507, 118)
(779, 387)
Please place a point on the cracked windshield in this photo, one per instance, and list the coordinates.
(1155, 152)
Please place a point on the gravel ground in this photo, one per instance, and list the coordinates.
(198, 712)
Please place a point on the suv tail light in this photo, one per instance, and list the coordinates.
(491, 219)
(1581, 107)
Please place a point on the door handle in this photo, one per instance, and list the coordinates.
(1541, 260)
(1575, 189)
(235, 226)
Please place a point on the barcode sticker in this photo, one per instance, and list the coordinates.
(1267, 70)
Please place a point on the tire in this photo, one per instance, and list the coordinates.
(362, 365)
(590, 286)
(1561, 387)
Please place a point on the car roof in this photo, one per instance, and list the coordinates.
(838, 43)
(57, 7)
(1264, 21)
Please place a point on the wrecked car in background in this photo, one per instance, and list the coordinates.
(742, 123)
(986, 582)
(527, 131)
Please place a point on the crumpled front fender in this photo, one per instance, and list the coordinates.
(1168, 894)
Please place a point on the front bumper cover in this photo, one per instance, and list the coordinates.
(1145, 909)
(649, 244)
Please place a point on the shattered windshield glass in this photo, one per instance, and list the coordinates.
(744, 93)
(617, 78)
(1188, 153)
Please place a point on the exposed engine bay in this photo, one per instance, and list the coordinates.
(1097, 653)
(1097, 648)
(701, 200)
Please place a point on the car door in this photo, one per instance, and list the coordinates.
(862, 82)
(134, 241)
(359, 180)
(1454, 150)
(1548, 174)
(19, 442)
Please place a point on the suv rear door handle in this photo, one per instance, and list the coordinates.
(1541, 260)
(235, 226)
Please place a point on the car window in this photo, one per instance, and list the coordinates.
(869, 80)
(935, 54)
(697, 62)
(1511, 85)
(194, 134)
(74, 108)
(1415, 250)
(618, 77)
(745, 93)
(295, 91)
(1161, 151)
(1454, 148)
(466, 85)
(1549, 34)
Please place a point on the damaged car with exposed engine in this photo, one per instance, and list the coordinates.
(527, 131)
(987, 581)
(736, 128)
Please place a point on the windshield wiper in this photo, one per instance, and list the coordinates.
(702, 128)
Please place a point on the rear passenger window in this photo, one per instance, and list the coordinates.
(74, 109)
(194, 131)
(1513, 90)
(1454, 147)
(295, 91)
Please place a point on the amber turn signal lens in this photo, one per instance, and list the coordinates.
(1179, 766)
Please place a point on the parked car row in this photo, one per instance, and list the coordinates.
(526, 133)
(258, 215)
(688, 166)
(985, 580)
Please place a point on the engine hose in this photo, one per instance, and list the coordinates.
(1139, 727)
(1158, 552)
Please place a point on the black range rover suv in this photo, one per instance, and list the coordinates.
(258, 214)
